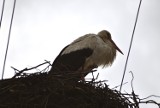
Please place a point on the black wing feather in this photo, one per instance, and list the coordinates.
(70, 62)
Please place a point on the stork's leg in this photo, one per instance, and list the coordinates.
(90, 68)
(84, 72)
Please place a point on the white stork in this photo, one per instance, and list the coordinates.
(86, 53)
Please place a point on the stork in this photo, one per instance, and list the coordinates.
(86, 53)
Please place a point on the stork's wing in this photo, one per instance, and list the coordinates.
(70, 62)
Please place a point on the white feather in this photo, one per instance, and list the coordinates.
(86, 41)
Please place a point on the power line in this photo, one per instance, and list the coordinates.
(9, 34)
(130, 44)
(2, 12)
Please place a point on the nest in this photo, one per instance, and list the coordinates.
(46, 91)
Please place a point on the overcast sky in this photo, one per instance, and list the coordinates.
(41, 28)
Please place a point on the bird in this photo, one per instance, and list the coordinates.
(85, 54)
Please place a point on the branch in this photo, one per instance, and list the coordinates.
(27, 69)
(150, 101)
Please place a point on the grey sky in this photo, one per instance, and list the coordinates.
(41, 28)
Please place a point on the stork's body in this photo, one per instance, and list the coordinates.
(86, 53)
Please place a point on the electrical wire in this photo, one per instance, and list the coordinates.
(130, 45)
(2, 12)
(9, 34)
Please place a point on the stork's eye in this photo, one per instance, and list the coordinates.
(108, 35)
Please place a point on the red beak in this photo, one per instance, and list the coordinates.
(116, 46)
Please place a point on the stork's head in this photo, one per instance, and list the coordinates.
(106, 37)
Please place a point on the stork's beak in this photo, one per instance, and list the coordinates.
(116, 46)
